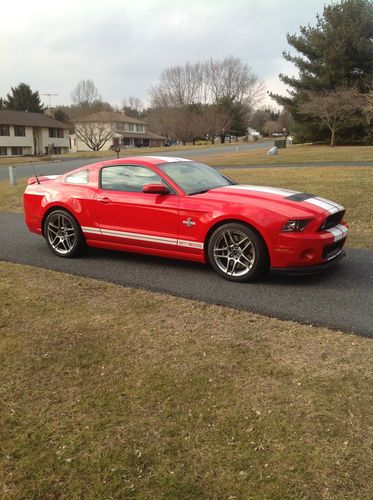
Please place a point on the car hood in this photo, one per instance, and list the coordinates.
(282, 200)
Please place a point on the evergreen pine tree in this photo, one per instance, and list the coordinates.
(22, 98)
(336, 53)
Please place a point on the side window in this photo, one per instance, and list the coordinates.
(129, 178)
(80, 177)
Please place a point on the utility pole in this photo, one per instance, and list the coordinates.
(50, 101)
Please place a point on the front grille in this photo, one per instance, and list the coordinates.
(331, 251)
(332, 220)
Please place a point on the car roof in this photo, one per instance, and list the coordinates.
(149, 160)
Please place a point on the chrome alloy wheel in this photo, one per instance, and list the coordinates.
(61, 233)
(234, 252)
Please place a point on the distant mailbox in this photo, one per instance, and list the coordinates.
(280, 143)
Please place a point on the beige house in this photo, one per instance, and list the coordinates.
(108, 130)
(24, 133)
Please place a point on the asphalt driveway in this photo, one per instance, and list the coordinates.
(341, 298)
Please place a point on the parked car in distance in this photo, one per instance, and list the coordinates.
(178, 208)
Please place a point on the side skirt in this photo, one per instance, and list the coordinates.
(147, 251)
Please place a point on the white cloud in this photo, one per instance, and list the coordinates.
(124, 45)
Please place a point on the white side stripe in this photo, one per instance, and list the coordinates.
(190, 244)
(137, 236)
(143, 237)
(92, 230)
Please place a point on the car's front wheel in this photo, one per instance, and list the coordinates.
(63, 234)
(237, 253)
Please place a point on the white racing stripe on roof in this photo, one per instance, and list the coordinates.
(170, 159)
(263, 189)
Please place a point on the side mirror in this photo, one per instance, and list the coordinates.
(155, 189)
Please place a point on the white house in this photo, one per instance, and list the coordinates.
(252, 133)
(23, 133)
(108, 130)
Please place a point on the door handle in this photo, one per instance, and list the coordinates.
(104, 200)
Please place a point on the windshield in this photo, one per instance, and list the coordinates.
(194, 178)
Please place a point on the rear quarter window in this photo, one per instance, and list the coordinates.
(80, 177)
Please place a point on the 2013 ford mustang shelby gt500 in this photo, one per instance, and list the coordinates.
(178, 208)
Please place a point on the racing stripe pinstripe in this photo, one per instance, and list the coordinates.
(143, 237)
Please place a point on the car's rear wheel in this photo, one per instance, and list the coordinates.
(63, 234)
(237, 253)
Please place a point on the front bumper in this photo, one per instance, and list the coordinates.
(314, 250)
(300, 271)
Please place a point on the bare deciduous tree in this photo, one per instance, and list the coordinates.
(178, 86)
(234, 79)
(94, 134)
(192, 91)
(132, 107)
(214, 120)
(334, 109)
(368, 106)
(85, 94)
(270, 126)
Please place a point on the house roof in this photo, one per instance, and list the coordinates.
(138, 135)
(27, 119)
(108, 116)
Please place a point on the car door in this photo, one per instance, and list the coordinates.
(128, 216)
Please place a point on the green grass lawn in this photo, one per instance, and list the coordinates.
(293, 154)
(110, 392)
(97, 154)
(351, 187)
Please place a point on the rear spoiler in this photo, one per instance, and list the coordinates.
(41, 178)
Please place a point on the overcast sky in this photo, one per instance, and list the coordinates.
(123, 45)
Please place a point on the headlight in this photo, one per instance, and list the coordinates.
(295, 226)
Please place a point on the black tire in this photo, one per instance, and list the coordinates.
(237, 253)
(63, 234)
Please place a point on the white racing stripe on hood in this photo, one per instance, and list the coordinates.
(331, 203)
(330, 206)
(326, 205)
(263, 189)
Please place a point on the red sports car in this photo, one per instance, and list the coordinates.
(178, 208)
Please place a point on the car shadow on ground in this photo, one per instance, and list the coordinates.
(205, 270)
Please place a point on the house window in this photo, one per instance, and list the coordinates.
(56, 132)
(130, 127)
(3, 151)
(17, 151)
(140, 128)
(19, 131)
(4, 130)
